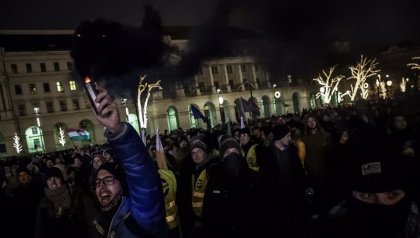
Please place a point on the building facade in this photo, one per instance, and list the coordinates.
(41, 97)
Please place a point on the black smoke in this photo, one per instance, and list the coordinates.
(208, 41)
(103, 48)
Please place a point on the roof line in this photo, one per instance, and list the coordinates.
(36, 32)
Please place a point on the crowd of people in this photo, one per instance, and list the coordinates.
(333, 172)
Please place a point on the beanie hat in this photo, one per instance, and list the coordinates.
(22, 169)
(199, 144)
(245, 130)
(280, 131)
(227, 143)
(54, 172)
(116, 171)
(376, 169)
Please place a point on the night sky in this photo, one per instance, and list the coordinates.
(301, 30)
(367, 21)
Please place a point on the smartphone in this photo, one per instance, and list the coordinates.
(90, 89)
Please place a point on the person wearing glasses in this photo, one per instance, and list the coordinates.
(129, 191)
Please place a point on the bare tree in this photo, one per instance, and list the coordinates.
(142, 110)
(329, 86)
(361, 72)
(414, 65)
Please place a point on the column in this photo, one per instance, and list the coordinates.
(226, 78)
(241, 79)
(213, 89)
(197, 85)
(254, 77)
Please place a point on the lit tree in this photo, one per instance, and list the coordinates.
(62, 138)
(414, 65)
(17, 144)
(361, 72)
(143, 109)
(329, 86)
(403, 85)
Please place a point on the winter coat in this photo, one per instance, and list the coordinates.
(142, 212)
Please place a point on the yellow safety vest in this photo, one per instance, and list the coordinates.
(169, 187)
(251, 158)
(199, 188)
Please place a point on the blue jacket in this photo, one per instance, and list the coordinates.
(142, 212)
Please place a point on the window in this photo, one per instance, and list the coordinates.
(200, 71)
(18, 89)
(72, 85)
(229, 69)
(214, 70)
(56, 66)
(3, 148)
(14, 68)
(201, 86)
(43, 67)
(63, 105)
(50, 106)
(216, 84)
(22, 109)
(29, 68)
(243, 68)
(35, 105)
(69, 66)
(35, 132)
(231, 83)
(76, 105)
(32, 88)
(257, 68)
(60, 87)
(37, 143)
(46, 87)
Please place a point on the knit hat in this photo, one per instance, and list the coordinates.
(280, 131)
(54, 172)
(118, 173)
(245, 131)
(22, 169)
(199, 144)
(376, 169)
(227, 143)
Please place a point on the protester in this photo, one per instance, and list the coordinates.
(129, 193)
(379, 202)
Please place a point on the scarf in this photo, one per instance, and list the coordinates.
(60, 197)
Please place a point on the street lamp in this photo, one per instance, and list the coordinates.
(222, 112)
(38, 123)
(388, 84)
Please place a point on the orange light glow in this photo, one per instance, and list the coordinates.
(87, 79)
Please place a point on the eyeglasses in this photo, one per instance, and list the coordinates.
(109, 180)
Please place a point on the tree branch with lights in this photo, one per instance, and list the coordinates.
(62, 137)
(361, 72)
(142, 109)
(17, 144)
(414, 66)
(329, 86)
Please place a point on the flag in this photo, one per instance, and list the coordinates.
(78, 134)
(245, 105)
(253, 107)
(197, 114)
(160, 153)
(242, 123)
